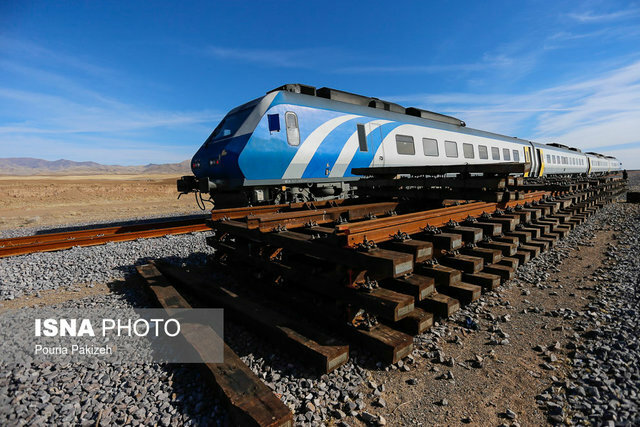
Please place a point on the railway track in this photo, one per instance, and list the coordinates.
(99, 236)
(319, 278)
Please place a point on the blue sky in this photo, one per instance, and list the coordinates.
(146, 82)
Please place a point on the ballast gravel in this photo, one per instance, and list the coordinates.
(604, 386)
(28, 274)
(105, 394)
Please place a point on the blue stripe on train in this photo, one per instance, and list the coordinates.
(374, 139)
(329, 150)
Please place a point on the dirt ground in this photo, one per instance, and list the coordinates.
(53, 200)
(511, 375)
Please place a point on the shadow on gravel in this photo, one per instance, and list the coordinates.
(190, 393)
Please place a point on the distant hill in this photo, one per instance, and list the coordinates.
(30, 166)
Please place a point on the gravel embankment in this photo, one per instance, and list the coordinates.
(122, 394)
(604, 387)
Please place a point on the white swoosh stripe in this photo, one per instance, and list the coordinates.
(349, 150)
(308, 148)
(380, 150)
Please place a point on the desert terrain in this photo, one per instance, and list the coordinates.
(43, 201)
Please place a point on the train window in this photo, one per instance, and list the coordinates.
(362, 137)
(404, 145)
(506, 154)
(495, 153)
(293, 132)
(516, 156)
(451, 148)
(430, 146)
(482, 152)
(467, 150)
(229, 125)
(548, 158)
(554, 159)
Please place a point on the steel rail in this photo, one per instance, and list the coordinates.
(379, 230)
(98, 236)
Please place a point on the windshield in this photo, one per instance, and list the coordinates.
(229, 125)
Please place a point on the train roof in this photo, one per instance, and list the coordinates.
(367, 101)
(376, 103)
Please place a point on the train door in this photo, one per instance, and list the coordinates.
(374, 142)
(540, 162)
(535, 165)
(527, 161)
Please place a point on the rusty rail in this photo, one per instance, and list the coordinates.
(98, 236)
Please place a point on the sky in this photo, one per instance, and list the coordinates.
(124, 82)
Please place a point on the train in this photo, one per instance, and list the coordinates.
(301, 143)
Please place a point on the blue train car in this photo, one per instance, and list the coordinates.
(299, 143)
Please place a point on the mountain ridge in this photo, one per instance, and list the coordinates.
(21, 166)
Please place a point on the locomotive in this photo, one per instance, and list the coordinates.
(300, 143)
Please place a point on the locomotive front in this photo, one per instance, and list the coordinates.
(215, 165)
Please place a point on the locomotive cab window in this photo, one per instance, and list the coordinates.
(362, 137)
(495, 153)
(467, 150)
(404, 145)
(451, 148)
(482, 152)
(229, 125)
(516, 156)
(430, 146)
(506, 154)
(293, 132)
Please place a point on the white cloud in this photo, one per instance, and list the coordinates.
(50, 108)
(285, 58)
(46, 113)
(590, 114)
(590, 16)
